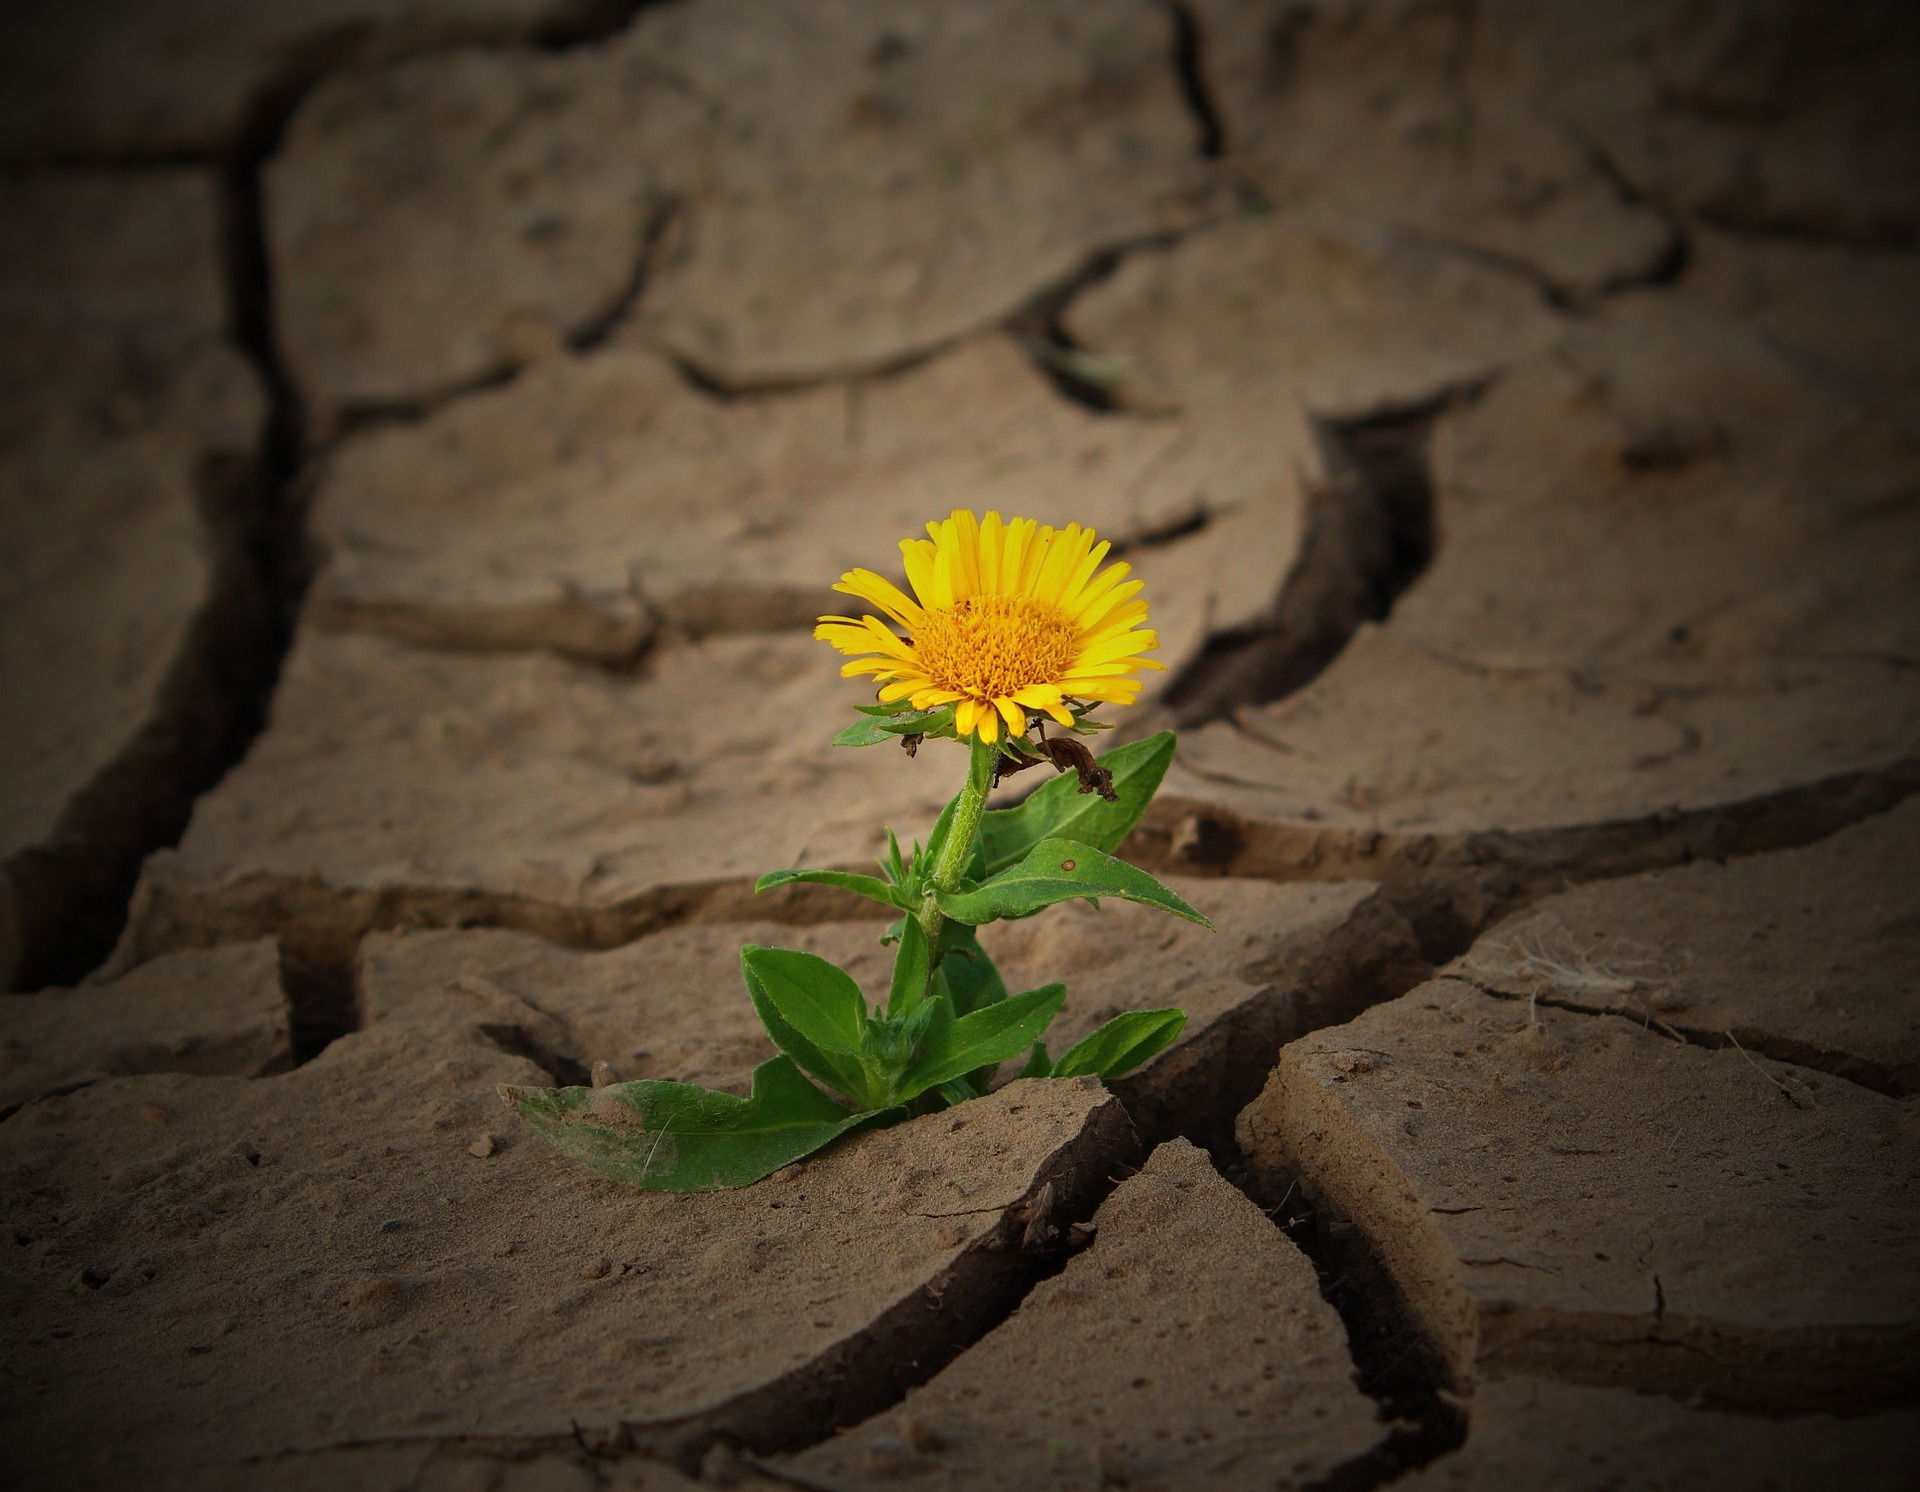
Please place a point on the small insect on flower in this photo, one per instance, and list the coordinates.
(1007, 616)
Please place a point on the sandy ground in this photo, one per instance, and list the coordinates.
(429, 431)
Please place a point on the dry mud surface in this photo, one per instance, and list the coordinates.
(429, 432)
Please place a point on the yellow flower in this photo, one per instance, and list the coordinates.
(1008, 617)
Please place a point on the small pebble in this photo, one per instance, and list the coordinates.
(154, 1114)
(393, 1225)
(482, 1147)
(598, 1269)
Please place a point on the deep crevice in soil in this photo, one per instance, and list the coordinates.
(1190, 64)
(72, 896)
(1078, 374)
(323, 997)
(591, 21)
(1369, 534)
(1395, 1364)
(874, 1370)
(1319, 979)
(517, 1041)
(1451, 885)
(219, 686)
(67, 898)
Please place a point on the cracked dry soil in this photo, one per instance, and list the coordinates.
(429, 429)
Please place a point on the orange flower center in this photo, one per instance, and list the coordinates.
(992, 647)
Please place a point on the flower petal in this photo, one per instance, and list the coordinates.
(882, 593)
(1108, 605)
(966, 544)
(848, 637)
(1039, 546)
(1082, 573)
(1019, 535)
(918, 555)
(1061, 560)
(991, 549)
(1096, 590)
(1113, 649)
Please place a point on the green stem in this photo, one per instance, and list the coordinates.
(957, 852)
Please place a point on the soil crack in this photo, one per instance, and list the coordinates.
(907, 1345)
(357, 416)
(1369, 534)
(1453, 885)
(1395, 1364)
(1190, 65)
(1078, 373)
(1883, 1078)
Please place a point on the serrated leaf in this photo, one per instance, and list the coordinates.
(1059, 810)
(1122, 1044)
(1058, 870)
(816, 1014)
(983, 1039)
(675, 1137)
(871, 887)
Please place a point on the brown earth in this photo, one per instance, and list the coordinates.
(429, 432)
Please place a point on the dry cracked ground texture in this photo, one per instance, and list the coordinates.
(428, 430)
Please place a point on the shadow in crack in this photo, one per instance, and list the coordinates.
(323, 998)
(1396, 1365)
(1369, 534)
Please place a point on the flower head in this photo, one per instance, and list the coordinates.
(1006, 617)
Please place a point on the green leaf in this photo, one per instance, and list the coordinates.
(1059, 810)
(871, 887)
(937, 722)
(866, 731)
(674, 1137)
(970, 975)
(1038, 1065)
(985, 1038)
(815, 1013)
(969, 979)
(873, 728)
(912, 969)
(1122, 1044)
(1060, 870)
(957, 1092)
